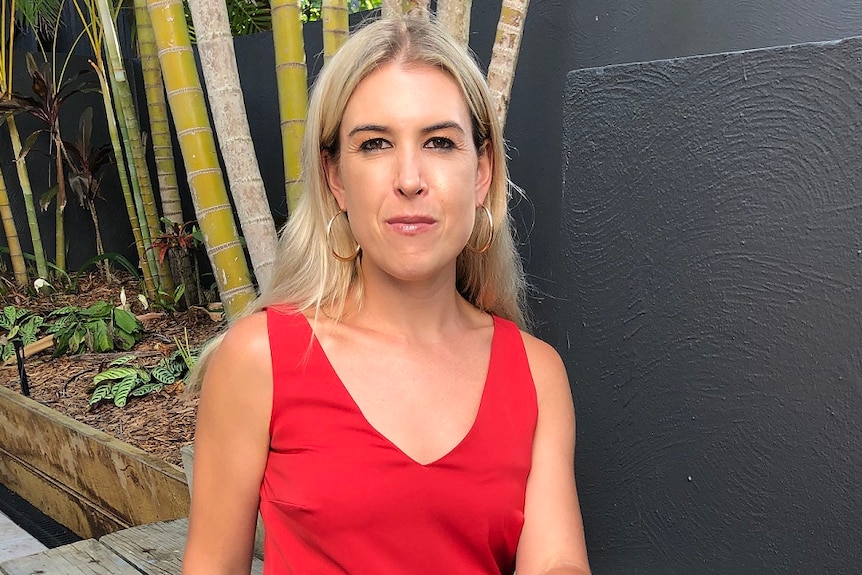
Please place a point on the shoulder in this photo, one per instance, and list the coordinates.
(548, 370)
(243, 352)
(247, 338)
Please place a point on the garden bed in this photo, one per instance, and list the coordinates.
(70, 463)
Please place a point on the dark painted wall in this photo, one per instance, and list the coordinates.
(713, 264)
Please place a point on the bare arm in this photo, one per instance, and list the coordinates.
(231, 447)
(552, 540)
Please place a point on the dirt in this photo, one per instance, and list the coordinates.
(159, 423)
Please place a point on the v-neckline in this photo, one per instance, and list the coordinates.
(318, 348)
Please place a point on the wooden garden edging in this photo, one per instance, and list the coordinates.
(85, 479)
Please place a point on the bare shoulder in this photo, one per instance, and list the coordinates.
(243, 354)
(546, 365)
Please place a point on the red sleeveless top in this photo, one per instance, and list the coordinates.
(337, 497)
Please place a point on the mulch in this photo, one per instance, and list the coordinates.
(159, 423)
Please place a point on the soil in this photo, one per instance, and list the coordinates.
(159, 423)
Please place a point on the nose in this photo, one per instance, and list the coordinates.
(409, 178)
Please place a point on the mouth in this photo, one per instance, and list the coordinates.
(411, 225)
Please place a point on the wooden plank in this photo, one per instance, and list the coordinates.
(56, 500)
(88, 557)
(156, 549)
(102, 470)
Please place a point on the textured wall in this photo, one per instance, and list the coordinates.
(712, 262)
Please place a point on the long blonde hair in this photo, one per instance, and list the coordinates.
(305, 274)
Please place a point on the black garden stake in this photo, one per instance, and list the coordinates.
(22, 374)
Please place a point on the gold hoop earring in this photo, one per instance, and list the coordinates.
(335, 254)
(487, 245)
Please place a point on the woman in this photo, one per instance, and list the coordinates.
(379, 404)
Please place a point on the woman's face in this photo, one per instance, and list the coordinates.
(408, 172)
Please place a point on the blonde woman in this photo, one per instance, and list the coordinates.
(379, 404)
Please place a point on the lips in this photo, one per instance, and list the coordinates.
(411, 224)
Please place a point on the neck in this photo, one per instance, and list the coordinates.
(420, 311)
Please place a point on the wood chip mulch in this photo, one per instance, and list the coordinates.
(160, 423)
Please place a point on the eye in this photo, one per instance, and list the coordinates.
(374, 144)
(440, 142)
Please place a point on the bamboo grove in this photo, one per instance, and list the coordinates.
(173, 89)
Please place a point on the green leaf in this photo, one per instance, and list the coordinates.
(122, 360)
(146, 389)
(9, 316)
(123, 340)
(100, 309)
(123, 388)
(101, 392)
(126, 321)
(101, 340)
(119, 372)
(163, 374)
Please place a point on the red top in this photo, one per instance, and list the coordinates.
(338, 497)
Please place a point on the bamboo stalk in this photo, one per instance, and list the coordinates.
(292, 80)
(19, 268)
(454, 16)
(335, 26)
(160, 133)
(218, 61)
(131, 132)
(416, 8)
(504, 58)
(125, 186)
(94, 32)
(206, 183)
(391, 8)
(29, 206)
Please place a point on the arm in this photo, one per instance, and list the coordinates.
(552, 540)
(231, 447)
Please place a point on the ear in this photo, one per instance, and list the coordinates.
(332, 169)
(484, 172)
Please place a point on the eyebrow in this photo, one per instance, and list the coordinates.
(427, 130)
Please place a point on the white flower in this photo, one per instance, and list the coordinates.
(41, 284)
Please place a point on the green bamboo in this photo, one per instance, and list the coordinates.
(19, 268)
(27, 189)
(95, 35)
(292, 81)
(218, 63)
(335, 26)
(209, 195)
(141, 245)
(129, 128)
(157, 107)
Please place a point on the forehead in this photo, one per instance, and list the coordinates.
(395, 93)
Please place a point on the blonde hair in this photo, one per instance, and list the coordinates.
(305, 274)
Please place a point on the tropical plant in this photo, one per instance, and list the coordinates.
(136, 163)
(86, 164)
(100, 327)
(125, 378)
(131, 196)
(17, 324)
(45, 105)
